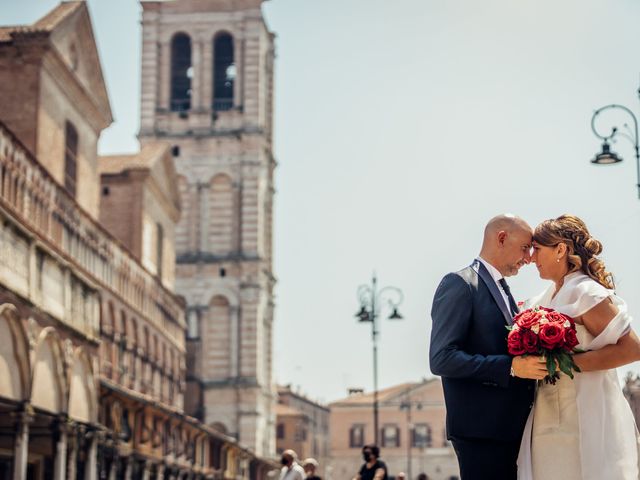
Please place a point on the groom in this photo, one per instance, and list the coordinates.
(486, 394)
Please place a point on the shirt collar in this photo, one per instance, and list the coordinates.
(495, 274)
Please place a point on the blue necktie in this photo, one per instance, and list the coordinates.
(513, 307)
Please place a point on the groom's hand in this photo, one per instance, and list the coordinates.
(531, 366)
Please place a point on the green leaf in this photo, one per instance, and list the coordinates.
(551, 364)
(573, 364)
(565, 365)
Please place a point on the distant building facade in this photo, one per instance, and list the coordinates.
(207, 89)
(93, 355)
(412, 436)
(302, 425)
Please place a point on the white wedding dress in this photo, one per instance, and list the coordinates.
(581, 429)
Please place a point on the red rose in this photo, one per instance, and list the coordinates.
(554, 316)
(514, 343)
(551, 335)
(527, 319)
(570, 338)
(529, 341)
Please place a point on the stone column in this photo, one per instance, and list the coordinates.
(60, 463)
(91, 462)
(207, 73)
(160, 472)
(238, 59)
(196, 65)
(146, 473)
(21, 445)
(113, 471)
(72, 448)
(129, 469)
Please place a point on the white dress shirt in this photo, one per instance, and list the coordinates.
(497, 276)
(296, 472)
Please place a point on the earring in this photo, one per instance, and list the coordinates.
(557, 260)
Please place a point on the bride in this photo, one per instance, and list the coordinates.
(582, 429)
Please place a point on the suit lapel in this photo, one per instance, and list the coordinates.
(486, 277)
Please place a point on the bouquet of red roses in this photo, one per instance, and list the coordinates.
(544, 331)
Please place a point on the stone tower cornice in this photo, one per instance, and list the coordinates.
(190, 6)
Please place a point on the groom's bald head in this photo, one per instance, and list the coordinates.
(507, 243)
(507, 222)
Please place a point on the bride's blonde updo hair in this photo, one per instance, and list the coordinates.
(582, 248)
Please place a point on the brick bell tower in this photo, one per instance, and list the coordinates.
(207, 89)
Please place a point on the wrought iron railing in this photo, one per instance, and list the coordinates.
(222, 104)
(180, 104)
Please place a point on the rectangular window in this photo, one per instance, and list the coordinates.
(280, 431)
(70, 158)
(301, 434)
(421, 437)
(356, 436)
(390, 436)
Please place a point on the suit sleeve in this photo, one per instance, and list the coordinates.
(452, 313)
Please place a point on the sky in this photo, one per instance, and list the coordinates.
(400, 129)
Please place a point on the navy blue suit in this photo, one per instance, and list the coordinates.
(486, 407)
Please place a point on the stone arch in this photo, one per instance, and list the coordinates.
(224, 71)
(82, 389)
(14, 355)
(49, 383)
(181, 72)
(222, 215)
(232, 295)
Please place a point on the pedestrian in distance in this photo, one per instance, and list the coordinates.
(373, 468)
(291, 470)
(310, 465)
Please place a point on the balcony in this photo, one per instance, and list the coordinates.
(60, 253)
(222, 104)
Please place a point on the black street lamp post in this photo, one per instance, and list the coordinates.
(608, 157)
(372, 301)
(407, 404)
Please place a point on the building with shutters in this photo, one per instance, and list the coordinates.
(303, 426)
(412, 437)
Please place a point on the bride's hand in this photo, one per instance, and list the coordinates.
(531, 366)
